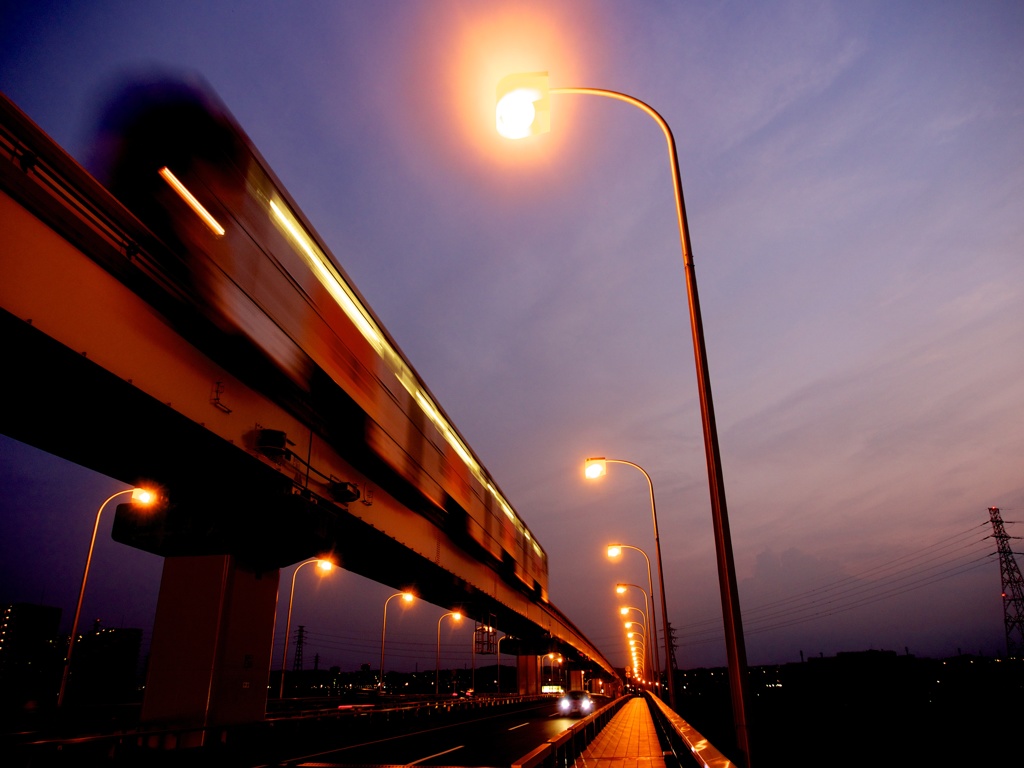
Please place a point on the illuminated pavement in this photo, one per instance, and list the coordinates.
(630, 739)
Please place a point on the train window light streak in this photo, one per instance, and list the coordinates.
(353, 308)
(191, 200)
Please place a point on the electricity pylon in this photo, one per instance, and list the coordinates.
(1013, 587)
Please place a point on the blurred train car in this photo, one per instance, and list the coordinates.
(245, 257)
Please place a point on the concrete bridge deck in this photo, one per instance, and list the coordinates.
(630, 740)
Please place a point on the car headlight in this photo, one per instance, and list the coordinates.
(564, 703)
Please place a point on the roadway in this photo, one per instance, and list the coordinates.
(471, 733)
(497, 738)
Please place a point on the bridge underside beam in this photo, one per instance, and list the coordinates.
(75, 409)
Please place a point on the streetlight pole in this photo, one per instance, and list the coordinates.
(456, 616)
(621, 589)
(614, 551)
(595, 468)
(140, 496)
(531, 91)
(503, 637)
(406, 597)
(323, 565)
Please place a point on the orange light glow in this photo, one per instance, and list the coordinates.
(408, 597)
(614, 550)
(143, 496)
(492, 42)
(191, 201)
(594, 468)
(325, 565)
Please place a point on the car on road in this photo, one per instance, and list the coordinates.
(576, 703)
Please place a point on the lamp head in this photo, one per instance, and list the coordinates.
(595, 467)
(324, 565)
(143, 496)
(407, 597)
(614, 550)
(623, 611)
(620, 589)
(522, 107)
(456, 616)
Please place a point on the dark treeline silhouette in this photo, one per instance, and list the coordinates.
(867, 708)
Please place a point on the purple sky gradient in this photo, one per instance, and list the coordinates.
(854, 177)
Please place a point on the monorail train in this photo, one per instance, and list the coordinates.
(174, 156)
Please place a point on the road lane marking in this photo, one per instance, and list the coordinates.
(518, 726)
(431, 757)
(300, 759)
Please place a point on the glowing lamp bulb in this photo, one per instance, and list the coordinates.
(325, 565)
(515, 113)
(614, 550)
(142, 496)
(521, 108)
(407, 597)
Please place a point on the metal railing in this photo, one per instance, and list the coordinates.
(688, 745)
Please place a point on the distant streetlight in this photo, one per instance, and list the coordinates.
(456, 616)
(523, 110)
(407, 597)
(139, 496)
(598, 467)
(638, 651)
(503, 637)
(324, 566)
(624, 611)
(552, 658)
(621, 590)
(614, 551)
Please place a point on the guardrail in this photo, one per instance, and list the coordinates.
(688, 746)
(564, 748)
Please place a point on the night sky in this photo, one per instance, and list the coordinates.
(854, 178)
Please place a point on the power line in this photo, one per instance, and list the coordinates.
(949, 557)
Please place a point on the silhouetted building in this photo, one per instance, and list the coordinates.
(105, 666)
(30, 654)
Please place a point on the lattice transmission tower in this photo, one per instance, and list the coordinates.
(1013, 587)
(300, 641)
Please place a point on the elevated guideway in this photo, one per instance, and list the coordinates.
(106, 369)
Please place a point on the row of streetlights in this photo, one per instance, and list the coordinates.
(407, 597)
(522, 110)
(145, 497)
(597, 467)
(594, 468)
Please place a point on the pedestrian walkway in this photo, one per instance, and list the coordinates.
(630, 740)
